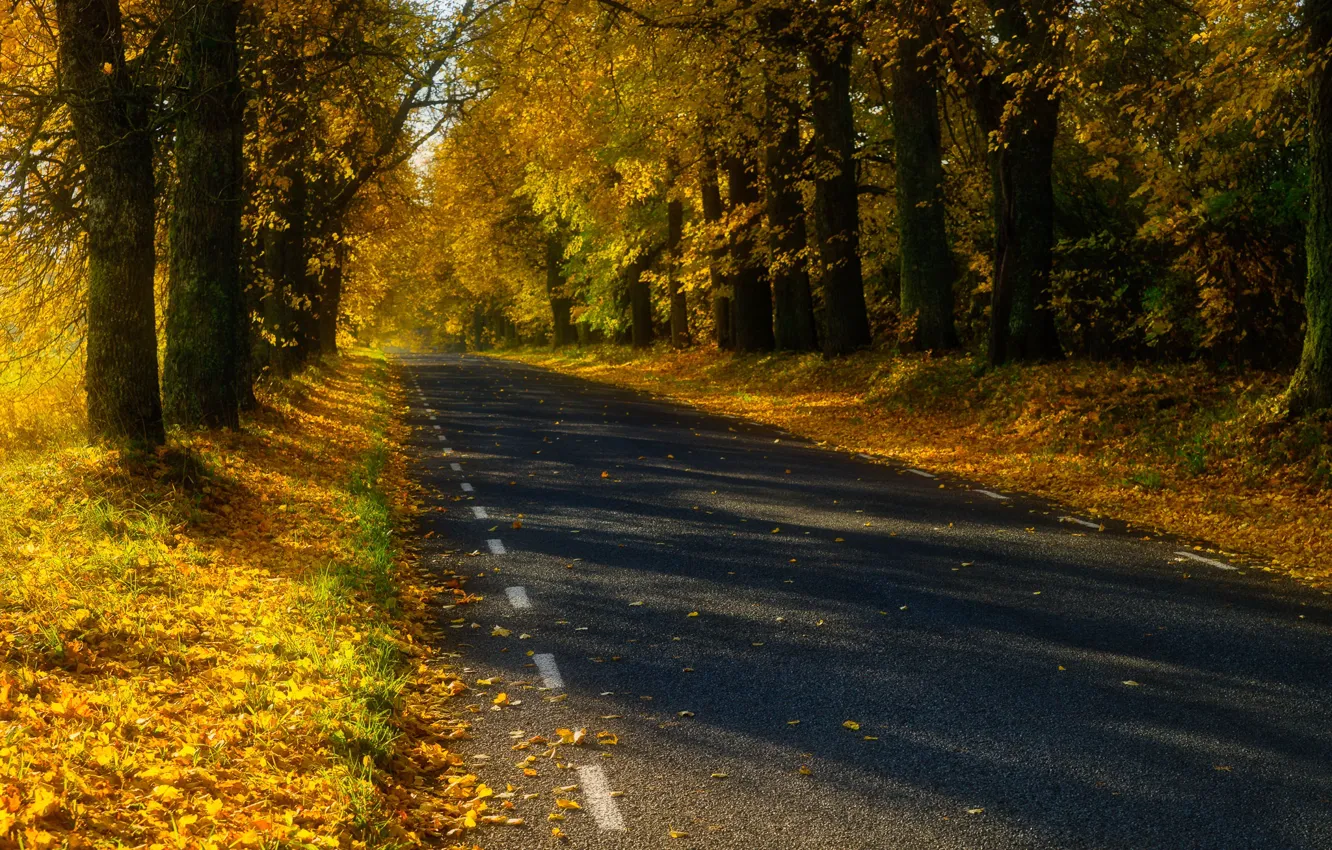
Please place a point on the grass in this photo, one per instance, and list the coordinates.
(1175, 448)
(223, 644)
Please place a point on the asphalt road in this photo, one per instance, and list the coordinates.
(724, 598)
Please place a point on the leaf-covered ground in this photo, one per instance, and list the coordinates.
(1179, 449)
(224, 644)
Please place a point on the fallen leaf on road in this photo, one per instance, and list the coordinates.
(851, 724)
(499, 632)
(675, 833)
(568, 804)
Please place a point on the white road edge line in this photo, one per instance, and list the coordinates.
(479, 512)
(864, 456)
(597, 797)
(550, 674)
(1208, 561)
(922, 473)
(993, 495)
(456, 467)
(1081, 522)
(467, 488)
(518, 597)
(496, 546)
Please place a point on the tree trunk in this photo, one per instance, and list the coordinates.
(926, 262)
(679, 307)
(1022, 325)
(478, 328)
(710, 195)
(204, 354)
(1311, 386)
(331, 279)
(836, 196)
(793, 303)
(640, 302)
(752, 311)
(561, 331)
(115, 145)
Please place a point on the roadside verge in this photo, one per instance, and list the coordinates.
(225, 643)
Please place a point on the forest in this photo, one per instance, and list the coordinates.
(205, 193)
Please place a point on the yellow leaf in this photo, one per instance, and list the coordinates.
(501, 699)
(499, 632)
(568, 804)
(675, 833)
(851, 724)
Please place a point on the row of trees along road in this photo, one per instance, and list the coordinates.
(231, 147)
(1034, 178)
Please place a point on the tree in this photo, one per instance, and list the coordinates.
(112, 128)
(206, 325)
(1311, 387)
(1012, 73)
(836, 184)
(926, 263)
(794, 327)
(710, 198)
(749, 281)
(559, 300)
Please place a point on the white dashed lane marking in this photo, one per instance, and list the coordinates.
(456, 467)
(597, 796)
(496, 546)
(518, 597)
(467, 488)
(993, 495)
(1208, 561)
(1081, 522)
(922, 473)
(550, 674)
(479, 512)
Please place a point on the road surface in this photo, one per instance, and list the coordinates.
(801, 648)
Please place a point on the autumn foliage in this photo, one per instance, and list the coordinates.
(221, 644)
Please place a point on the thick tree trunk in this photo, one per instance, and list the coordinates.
(1311, 386)
(752, 310)
(562, 332)
(926, 262)
(794, 328)
(710, 195)
(640, 302)
(1022, 325)
(115, 144)
(679, 307)
(204, 342)
(836, 196)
